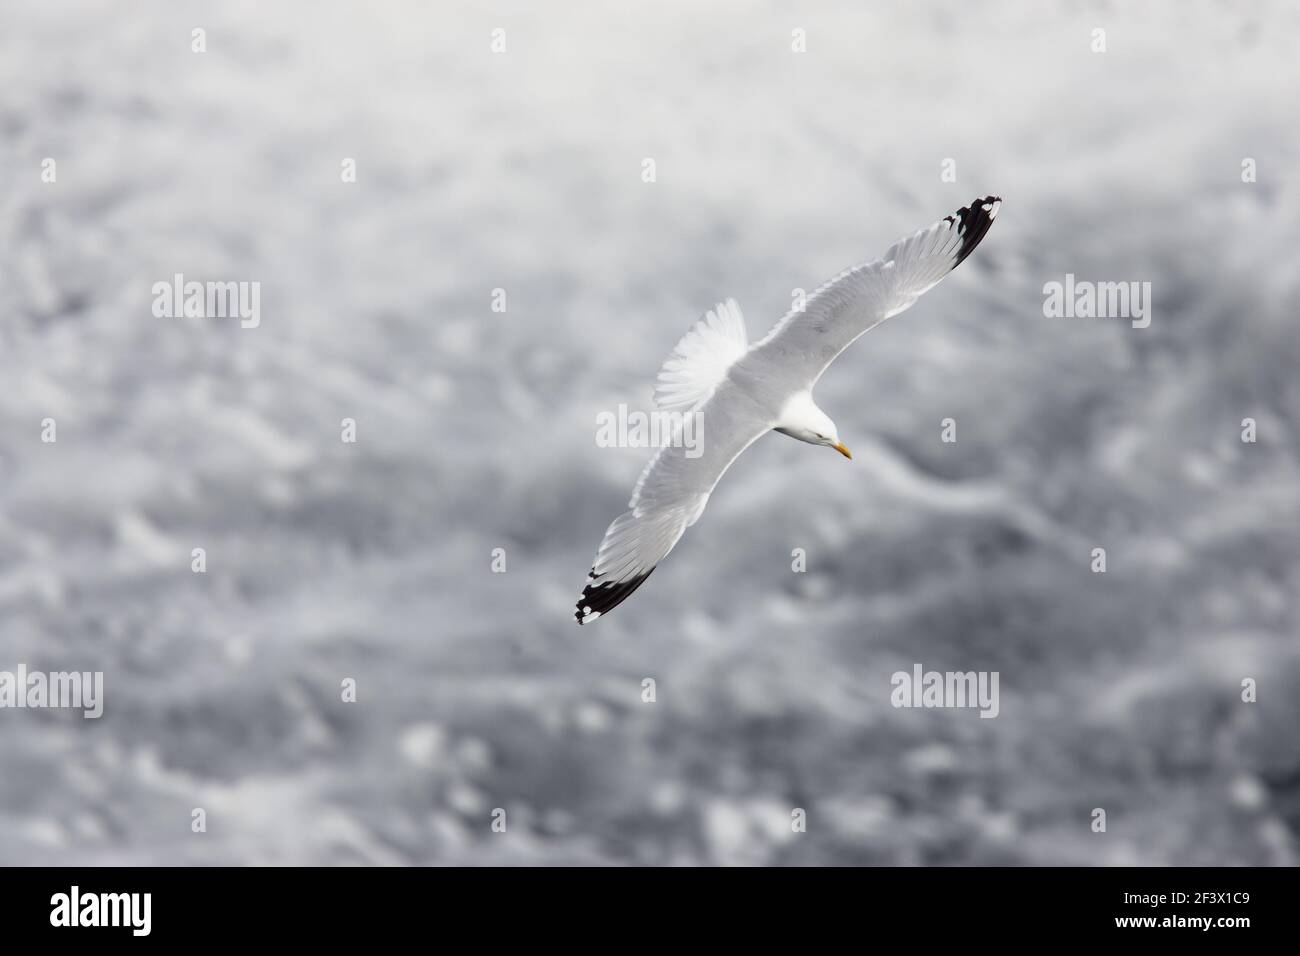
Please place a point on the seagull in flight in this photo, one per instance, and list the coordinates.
(740, 392)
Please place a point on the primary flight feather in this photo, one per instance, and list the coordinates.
(740, 392)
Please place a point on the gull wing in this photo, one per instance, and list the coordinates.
(804, 342)
(670, 496)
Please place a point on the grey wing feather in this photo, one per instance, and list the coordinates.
(669, 497)
(805, 342)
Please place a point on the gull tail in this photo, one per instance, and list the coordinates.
(702, 357)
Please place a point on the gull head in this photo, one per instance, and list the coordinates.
(801, 418)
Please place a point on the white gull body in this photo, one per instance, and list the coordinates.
(741, 392)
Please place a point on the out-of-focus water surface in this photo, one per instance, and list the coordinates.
(522, 171)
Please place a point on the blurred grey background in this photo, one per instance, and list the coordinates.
(476, 430)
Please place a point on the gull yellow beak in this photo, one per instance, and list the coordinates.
(843, 451)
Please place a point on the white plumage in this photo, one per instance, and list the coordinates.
(702, 357)
(741, 392)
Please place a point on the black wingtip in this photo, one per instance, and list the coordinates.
(603, 598)
(973, 222)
